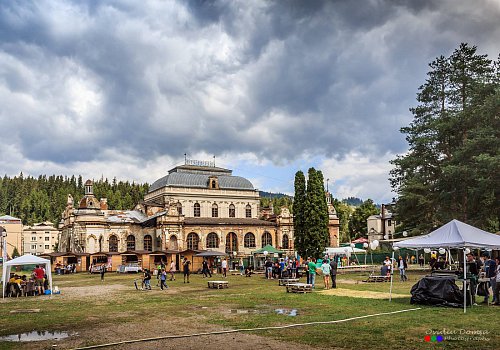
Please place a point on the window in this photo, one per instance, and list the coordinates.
(113, 243)
(232, 211)
(47, 246)
(33, 238)
(172, 243)
(248, 211)
(285, 242)
(267, 239)
(249, 240)
(148, 243)
(214, 184)
(179, 208)
(389, 222)
(47, 232)
(47, 239)
(212, 240)
(33, 246)
(131, 242)
(231, 242)
(192, 241)
(215, 211)
(197, 210)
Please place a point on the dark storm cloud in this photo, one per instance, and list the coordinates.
(280, 79)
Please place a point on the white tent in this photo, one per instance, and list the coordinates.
(344, 251)
(454, 234)
(26, 259)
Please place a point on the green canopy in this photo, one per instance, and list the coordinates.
(270, 249)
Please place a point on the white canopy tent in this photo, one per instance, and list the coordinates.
(344, 251)
(26, 259)
(454, 234)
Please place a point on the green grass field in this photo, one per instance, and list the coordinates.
(250, 302)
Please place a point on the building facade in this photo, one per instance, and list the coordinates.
(195, 207)
(14, 239)
(381, 226)
(40, 238)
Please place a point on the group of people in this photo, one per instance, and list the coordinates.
(279, 269)
(37, 283)
(65, 269)
(490, 270)
(328, 269)
(401, 264)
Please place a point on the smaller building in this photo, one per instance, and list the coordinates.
(381, 226)
(40, 238)
(14, 228)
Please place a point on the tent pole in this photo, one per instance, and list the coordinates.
(465, 285)
(392, 273)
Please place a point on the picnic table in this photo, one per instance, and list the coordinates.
(285, 281)
(218, 284)
(378, 278)
(298, 288)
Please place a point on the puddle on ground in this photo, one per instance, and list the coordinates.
(36, 336)
(286, 312)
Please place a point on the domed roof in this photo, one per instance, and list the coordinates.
(201, 181)
(198, 177)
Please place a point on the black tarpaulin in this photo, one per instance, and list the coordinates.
(440, 291)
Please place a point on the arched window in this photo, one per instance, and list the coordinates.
(179, 208)
(130, 242)
(248, 211)
(113, 243)
(148, 243)
(232, 211)
(231, 242)
(249, 240)
(215, 211)
(192, 241)
(267, 239)
(284, 244)
(197, 210)
(212, 240)
(172, 243)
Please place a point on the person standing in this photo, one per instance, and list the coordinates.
(147, 279)
(241, 266)
(172, 270)
(224, 268)
(388, 265)
(38, 274)
(402, 265)
(421, 260)
(326, 269)
(294, 268)
(269, 269)
(490, 273)
(103, 271)
(472, 272)
(312, 271)
(333, 271)
(281, 267)
(163, 279)
(496, 286)
(186, 269)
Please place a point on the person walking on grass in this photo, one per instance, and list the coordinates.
(312, 271)
(163, 279)
(172, 270)
(103, 271)
(326, 269)
(224, 268)
(402, 265)
(186, 268)
(333, 271)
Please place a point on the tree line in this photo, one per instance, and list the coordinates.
(452, 168)
(44, 198)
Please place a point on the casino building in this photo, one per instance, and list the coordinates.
(194, 208)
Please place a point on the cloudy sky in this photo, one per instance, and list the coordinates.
(125, 88)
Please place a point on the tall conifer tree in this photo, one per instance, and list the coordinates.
(299, 205)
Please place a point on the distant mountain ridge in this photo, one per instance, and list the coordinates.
(264, 194)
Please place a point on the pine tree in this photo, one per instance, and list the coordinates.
(451, 170)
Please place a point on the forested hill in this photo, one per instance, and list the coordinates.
(44, 198)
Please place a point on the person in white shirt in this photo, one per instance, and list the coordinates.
(172, 271)
(224, 267)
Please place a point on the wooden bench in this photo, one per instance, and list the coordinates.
(285, 281)
(298, 288)
(218, 284)
(377, 278)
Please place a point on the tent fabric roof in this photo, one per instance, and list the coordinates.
(270, 249)
(343, 250)
(454, 234)
(27, 259)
